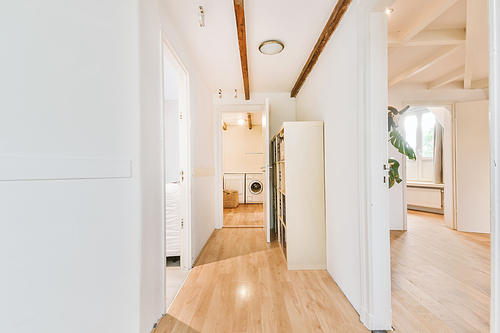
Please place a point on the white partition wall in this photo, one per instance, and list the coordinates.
(473, 167)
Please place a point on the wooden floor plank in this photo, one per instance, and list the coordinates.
(240, 284)
(245, 215)
(440, 277)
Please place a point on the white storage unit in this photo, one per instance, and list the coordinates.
(298, 197)
(235, 182)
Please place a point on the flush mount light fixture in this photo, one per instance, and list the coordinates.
(201, 17)
(271, 47)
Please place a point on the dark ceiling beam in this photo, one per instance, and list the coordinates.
(330, 27)
(239, 13)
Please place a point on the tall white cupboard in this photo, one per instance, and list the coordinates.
(298, 195)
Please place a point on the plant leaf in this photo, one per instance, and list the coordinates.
(399, 142)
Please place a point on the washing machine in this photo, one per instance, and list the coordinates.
(236, 182)
(255, 187)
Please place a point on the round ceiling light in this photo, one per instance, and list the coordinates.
(271, 47)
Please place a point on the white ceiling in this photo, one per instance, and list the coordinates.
(233, 118)
(455, 17)
(298, 24)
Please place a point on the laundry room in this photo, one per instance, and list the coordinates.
(243, 160)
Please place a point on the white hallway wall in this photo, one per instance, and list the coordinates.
(281, 106)
(86, 255)
(330, 94)
(153, 18)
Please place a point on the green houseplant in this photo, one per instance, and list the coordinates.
(399, 142)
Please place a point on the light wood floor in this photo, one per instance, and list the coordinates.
(440, 277)
(240, 284)
(244, 215)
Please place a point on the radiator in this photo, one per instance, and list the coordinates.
(424, 197)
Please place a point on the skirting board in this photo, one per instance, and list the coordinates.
(426, 209)
(52, 168)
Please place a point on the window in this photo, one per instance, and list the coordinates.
(419, 133)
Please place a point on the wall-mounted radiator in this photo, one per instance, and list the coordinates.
(425, 198)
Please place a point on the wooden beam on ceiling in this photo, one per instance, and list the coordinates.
(239, 13)
(330, 27)
(472, 36)
(423, 18)
(430, 38)
(390, 50)
(439, 55)
(249, 116)
(224, 126)
(480, 84)
(445, 79)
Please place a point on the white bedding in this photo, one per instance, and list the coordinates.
(172, 221)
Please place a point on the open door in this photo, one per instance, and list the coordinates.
(267, 179)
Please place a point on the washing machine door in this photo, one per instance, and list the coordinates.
(255, 187)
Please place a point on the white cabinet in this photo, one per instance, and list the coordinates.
(298, 196)
(235, 182)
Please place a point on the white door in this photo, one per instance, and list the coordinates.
(267, 176)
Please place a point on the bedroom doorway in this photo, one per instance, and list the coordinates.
(176, 178)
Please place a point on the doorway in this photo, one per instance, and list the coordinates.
(176, 179)
(242, 166)
(443, 271)
(429, 181)
(243, 160)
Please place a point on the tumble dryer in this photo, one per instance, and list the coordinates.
(254, 187)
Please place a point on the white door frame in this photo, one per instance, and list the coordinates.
(184, 155)
(494, 95)
(451, 104)
(375, 310)
(219, 163)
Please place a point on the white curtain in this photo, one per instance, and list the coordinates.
(438, 153)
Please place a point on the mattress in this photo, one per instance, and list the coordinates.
(172, 220)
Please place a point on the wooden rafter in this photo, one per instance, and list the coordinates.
(480, 84)
(439, 55)
(249, 116)
(239, 13)
(445, 79)
(430, 38)
(473, 18)
(423, 18)
(330, 27)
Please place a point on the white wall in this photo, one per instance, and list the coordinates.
(153, 19)
(242, 149)
(81, 80)
(473, 167)
(330, 94)
(281, 106)
(69, 249)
